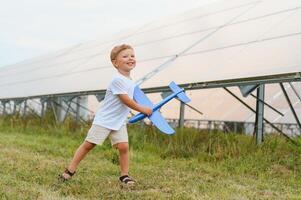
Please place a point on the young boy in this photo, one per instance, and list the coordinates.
(111, 117)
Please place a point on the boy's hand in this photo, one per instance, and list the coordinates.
(148, 111)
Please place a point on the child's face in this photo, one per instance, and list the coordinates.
(125, 60)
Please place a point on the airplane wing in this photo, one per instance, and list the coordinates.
(161, 123)
(155, 117)
(141, 98)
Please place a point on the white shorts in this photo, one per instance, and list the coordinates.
(97, 135)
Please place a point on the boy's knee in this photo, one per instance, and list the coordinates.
(123, 147)
(88, 146)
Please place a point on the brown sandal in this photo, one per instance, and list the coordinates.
(63, 178)
(126, 180)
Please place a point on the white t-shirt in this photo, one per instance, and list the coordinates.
(113, 113)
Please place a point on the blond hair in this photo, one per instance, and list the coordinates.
(117, 49)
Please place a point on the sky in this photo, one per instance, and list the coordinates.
(33, 27)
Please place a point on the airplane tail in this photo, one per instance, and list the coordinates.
(181, 96)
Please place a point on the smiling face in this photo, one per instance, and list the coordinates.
(125, 61)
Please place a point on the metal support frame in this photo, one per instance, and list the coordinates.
(100, 97)
(55, 107)
(8, 107)
(290, 105)
(166, 94)
(11, 108)
(48, 102)
(269, 79)
(33, 112)
(25, 107)
(259, 128)
(1, 107)
(288, 77)
(291, 77)
(182, 112)
(294, 89)
(271, 124)
(15, 107)
(68, 103)
(77, 108)
(74, 111)
(42, 109)
(268, 105)
(4, 107)
(42, 102)
(54, 110)
(193, 108)
(68, 100)
(81, 106)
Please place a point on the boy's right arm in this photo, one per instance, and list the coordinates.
(125, 99)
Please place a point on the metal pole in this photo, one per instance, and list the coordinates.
(196, 110)
(59, 109)
(81, 106)
(53, 109)
(259, 114)
(166, 94)
(42, 111)
(25, 107)
(9, 110)
(268, 105)
(294, 89)
(290, 104)
(181, 118)
(4, 108)
(77, 108)
(235, 127)
(15, 106)
(33, 112)
(67, 111)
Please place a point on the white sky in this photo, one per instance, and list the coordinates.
(35, 27)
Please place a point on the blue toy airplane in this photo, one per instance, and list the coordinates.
(156, 117)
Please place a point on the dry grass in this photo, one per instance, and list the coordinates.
(189, 165)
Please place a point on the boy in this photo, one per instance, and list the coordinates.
(111, 116)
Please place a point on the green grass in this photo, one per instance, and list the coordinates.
(188, 165)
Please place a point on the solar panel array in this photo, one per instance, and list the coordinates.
(226, 40)
(220, 41)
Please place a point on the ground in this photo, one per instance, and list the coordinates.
(31, 161)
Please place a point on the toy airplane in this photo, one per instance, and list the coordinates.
(156, 118)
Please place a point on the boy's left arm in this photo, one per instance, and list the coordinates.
(125, 99)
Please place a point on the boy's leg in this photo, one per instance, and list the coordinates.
(123, 149)
(80, 153)
(119, 140)
(96, 135)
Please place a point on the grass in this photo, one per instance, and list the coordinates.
(188, 165)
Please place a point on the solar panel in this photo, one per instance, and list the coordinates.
(223, 41)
